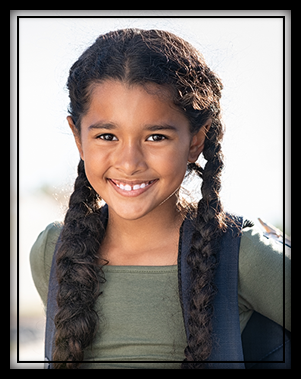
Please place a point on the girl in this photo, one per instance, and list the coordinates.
(135, 273)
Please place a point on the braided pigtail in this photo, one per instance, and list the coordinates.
(78, 274)
(202, 257)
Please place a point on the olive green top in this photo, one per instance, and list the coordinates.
(140, 312)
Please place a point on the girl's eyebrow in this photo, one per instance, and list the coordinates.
(148, 127)
(154, 128)
(102, 125)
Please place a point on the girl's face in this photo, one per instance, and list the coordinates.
(135, 146)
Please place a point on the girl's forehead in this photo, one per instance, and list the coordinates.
(115, 88)
(119, 102)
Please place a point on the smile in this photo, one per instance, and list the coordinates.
(131, 189)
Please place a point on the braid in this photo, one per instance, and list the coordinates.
(77, 274)
(202, 257)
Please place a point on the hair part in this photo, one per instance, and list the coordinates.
(140, 57)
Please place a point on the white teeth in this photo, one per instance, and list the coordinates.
(127, 187)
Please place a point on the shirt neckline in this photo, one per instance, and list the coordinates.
(140, 269)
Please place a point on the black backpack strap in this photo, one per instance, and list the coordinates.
(227, 348)
(51, 310)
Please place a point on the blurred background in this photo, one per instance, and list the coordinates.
(247, 53)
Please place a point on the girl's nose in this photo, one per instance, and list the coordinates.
(130, 160)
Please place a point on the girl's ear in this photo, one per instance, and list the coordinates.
(76, 136)
(198, 142)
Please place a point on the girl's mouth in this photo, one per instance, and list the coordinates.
(131, 189)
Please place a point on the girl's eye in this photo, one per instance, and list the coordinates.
(156, 138)
(107, 137)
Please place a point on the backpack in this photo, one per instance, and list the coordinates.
(263, 343)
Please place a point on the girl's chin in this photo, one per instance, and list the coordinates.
(129, 213)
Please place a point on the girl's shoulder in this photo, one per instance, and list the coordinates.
(41, 257)
(254, 244)
(264, 266)
(260, 255)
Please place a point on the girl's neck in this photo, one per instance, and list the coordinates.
(151, 240)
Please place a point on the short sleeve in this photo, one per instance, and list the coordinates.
(264, 270)
(41, 258)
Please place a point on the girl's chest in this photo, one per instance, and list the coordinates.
(141, 315)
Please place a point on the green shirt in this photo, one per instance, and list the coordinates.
(140, 311)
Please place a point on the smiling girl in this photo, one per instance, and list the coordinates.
(143, 107)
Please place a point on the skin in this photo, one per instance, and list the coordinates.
(124, 140)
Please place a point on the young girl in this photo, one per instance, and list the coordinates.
(135, 277)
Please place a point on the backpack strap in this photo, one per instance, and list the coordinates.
(51, 310)
(227, 348)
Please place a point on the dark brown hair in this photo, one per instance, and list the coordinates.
(139, 57)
